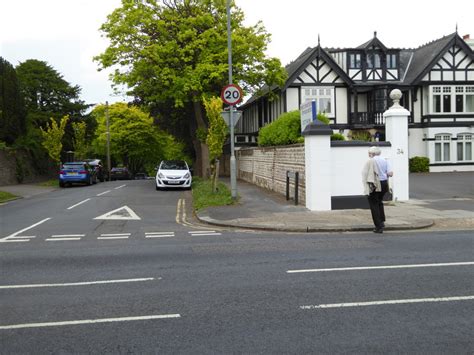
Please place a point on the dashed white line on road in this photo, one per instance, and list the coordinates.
(159, 234)
(380, 303)
(23, 230)
(65, 237)
(113, 238)
(116, 235)
(409, 266)
(103, 193)
(88, 321)
(86, 283)
(119, 187)
(77, 204)
(203, 233)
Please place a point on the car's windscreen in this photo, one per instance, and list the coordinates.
(173, 165)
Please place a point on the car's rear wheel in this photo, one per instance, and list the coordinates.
(62, 184)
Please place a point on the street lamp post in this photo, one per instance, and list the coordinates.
(108, 137)
(233, 170)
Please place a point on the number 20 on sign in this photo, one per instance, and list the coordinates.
(231, 94)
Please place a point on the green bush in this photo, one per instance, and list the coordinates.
(364, 136)
(337, 137)
(419, 165)
(285, 130)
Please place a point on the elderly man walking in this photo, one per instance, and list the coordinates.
(375, 178)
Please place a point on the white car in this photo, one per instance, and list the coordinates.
(173, 174)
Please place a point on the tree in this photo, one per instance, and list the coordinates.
(216, 135)
(52, 138)
(80, 144)
(175, 52)
(12, 110)
(134, 140)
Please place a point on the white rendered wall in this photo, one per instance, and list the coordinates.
(292, 101)
(318, 172)
(346, 169)
(416, 145)
(341, 105)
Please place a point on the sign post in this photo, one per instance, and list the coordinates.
(309, 113)
(231, 95)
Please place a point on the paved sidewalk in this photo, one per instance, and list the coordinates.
(260, 209)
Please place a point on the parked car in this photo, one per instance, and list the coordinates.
(173, 174)
(141, 176)
(77, 172)
(119, 173)
(99, 168)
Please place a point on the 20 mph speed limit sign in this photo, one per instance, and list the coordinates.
(231, 94)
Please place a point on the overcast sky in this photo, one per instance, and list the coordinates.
(65, 33)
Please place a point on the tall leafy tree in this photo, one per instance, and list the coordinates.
(52, 138)
(134, 140)
(12, 110)
(79, 141)
(175, 51)
(216, 135)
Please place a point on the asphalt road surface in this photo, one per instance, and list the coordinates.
(120, 268)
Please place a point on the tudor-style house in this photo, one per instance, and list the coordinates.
(352, 87)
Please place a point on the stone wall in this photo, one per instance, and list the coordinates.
(267, 167)
(17, 166)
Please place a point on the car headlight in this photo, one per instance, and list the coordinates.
(161, 176)
(187, 175)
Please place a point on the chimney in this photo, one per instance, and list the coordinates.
(466, 37)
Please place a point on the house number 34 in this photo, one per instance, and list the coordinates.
(399, 151)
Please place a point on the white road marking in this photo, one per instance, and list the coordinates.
(119, 187)
(178, 210)
(67, 235)
(379, 303)
(409, 266)
(77, 204)
(87, 283)
(88, 321)
(120, 213)
(112, 238)
(23, 230)
(116, 235)
(25, 236)
(159, 235)
(103, 193)
(60, 239)
(14, 240)
(203, 233)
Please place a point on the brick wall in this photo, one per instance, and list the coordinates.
(267, 167)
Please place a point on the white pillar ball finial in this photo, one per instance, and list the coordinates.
(396, 95)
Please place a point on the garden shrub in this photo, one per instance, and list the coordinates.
(285, 130)
(419, 165)
(364, 136)
(337, 137)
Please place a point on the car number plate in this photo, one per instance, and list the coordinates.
(173, 182)
(71, 173)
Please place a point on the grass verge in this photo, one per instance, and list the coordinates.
(204, 197)
(6, 196)
(50, 183)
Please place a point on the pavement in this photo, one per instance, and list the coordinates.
(443, 205)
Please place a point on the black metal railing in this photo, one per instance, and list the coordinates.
(371, 118)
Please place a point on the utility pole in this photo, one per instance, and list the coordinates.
(108, 138)
(233, 170)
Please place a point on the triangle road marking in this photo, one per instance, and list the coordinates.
(123, 212)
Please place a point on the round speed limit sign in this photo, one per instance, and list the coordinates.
(231, 94)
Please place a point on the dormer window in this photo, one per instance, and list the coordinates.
(373, 61)
(391, 61)
(354, 61)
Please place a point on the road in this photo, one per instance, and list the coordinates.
(160, 284)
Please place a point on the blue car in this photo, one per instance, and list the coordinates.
(77, 172)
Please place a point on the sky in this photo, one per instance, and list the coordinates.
(65, 33)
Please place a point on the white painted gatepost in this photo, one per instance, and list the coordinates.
(320, 165)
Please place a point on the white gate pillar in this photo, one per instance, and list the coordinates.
(317, 148)
(396, 132)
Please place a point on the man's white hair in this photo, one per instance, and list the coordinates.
(375, 150)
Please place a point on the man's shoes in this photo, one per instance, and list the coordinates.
(383, 224)
(378, 230)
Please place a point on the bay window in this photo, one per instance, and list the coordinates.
(464, 147)
(452, 99)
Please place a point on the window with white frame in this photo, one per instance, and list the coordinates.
(442, 147)
(464, 147)
(452, 99)
(324, 97)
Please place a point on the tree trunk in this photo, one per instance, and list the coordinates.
(202, 151)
